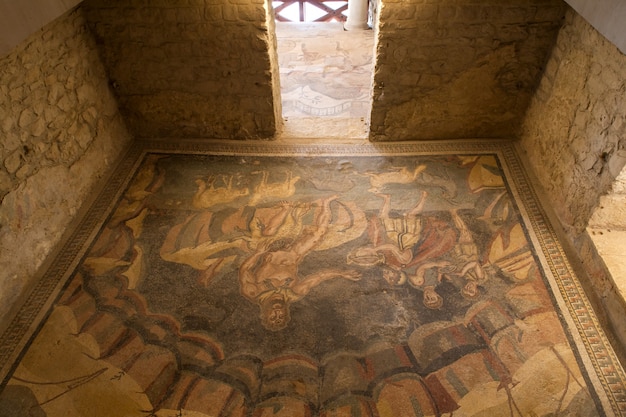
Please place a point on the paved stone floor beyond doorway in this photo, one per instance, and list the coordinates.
(269, 279)
(326, 79)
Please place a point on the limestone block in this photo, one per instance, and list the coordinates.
(90, 117)
(447, 12)
(85, 94)
(5, 183)
(24, 171)
(40, 148)
(469, 13)
(10, 142)
(229, 13)
(13, 162)
(66, 103)
(17, 93)
(426, 12)
(38, 128)
(610, 243)
(27, 117)
(213, 13)
(55, 92)
(6, 124)
(611, 213)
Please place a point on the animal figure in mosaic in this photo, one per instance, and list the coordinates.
(270, 278)
(442, 182)
(190, 243)
(339, 61)
(208, 195)
(275, 190)
(308, 55)
(328, 182)
(400, 176)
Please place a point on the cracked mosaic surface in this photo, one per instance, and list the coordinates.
(312, 280)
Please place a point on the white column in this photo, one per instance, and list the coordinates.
(357, 15)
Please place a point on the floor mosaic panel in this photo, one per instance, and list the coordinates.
(330, 280)
(325, 71)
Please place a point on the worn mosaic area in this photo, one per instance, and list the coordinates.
(299, 286)
(325, 72)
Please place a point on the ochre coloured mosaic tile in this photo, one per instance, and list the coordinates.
(276, 280)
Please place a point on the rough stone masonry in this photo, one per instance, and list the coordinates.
(449, 69)
(190, 68)
(61, 132)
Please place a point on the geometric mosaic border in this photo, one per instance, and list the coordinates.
(581, 316)
(601, 355)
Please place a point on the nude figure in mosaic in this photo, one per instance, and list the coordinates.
(270, 276)
(202, 240)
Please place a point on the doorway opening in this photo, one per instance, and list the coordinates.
(326, 71)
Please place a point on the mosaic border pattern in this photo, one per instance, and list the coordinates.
(592, 343)
(603, 359)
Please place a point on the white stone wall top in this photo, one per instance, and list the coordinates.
(607, 16)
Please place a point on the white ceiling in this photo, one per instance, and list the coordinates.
(20, 18)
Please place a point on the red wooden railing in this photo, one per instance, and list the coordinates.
(331, 14)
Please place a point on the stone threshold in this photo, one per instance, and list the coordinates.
(611, 246)
(607, 231)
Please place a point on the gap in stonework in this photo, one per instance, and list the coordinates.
(325, 78)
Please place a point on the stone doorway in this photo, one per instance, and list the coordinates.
(326, 79)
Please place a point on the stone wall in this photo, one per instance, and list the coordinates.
(574, 138)
(190, 68)
(459, 68)
(60, 133)
(576, 125)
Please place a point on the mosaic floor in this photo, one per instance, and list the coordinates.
(325, 75)
(330, 280)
